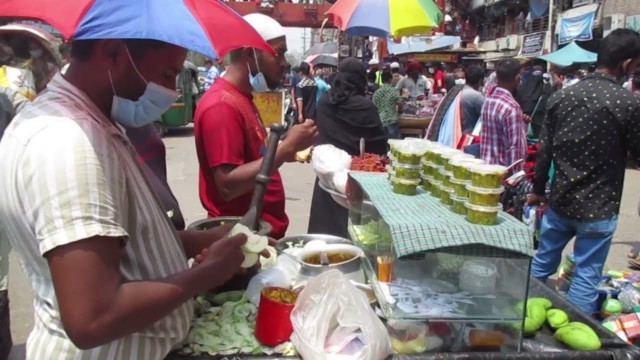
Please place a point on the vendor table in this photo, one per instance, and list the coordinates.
(413, 125)
(613, 348)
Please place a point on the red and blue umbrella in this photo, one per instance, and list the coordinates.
(206, 26)
(385, 17)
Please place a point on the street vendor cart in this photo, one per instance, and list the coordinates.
(413, 125)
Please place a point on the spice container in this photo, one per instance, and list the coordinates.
(458, 206)
(432, 153)
(482, 215)
(273, 322)
(447, 179)
(478, 277)
(404, 187)
(428, 167)
(438, 174)
(446, 154)
(484, 197)
(445, 195)
(450, 156)
(408, 172)
(435, 188)
(487, 176)
(460, 187)
(460, 167)
(390, 172)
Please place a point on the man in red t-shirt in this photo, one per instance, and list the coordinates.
(438, 79)
(231, 138)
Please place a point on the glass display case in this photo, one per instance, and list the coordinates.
(442, 284)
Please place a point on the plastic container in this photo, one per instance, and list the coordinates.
(482, 215)
(484, 197)
(435, 188)
(273, 322)
(408, 172)
(394, 145)
(460, 167)
(460, 187)
(445, 195)
(445, 155)
(390, 172)
(404, 187)
(447, 179)
(487, 176)
(449, 157)
(458, 206)
(478, 277)
(438, 174)
(428, 167)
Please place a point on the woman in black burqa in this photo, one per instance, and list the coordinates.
(344, 115)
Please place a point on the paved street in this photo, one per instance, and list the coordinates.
(298, 179)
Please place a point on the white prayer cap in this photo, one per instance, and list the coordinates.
(266, 26)
(395, 65)
(374, 62)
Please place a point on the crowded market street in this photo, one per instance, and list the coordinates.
(298, 180)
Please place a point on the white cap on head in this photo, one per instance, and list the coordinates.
(374, 62)
(266, 26)
(395, 65)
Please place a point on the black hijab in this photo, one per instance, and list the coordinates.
(345, 115)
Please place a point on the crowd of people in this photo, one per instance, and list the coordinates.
(84, 214)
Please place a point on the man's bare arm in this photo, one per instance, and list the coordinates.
(97, 306)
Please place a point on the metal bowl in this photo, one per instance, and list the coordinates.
(299, 241)
(206, 224)
(341, 199)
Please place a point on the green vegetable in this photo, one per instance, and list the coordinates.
(373, 233)
(233, 296)
(536, 316)
(482, 215)
(484, 197)
(228, 329)
(578, 336)
(404, 187)
(546, 303)
(253, 247)
(557, 318)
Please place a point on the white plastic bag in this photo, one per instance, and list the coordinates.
(332, 315)
(328, 160)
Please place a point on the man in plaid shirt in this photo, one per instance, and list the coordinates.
(504, 130)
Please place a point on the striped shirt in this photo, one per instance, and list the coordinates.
(504, 132)
(69, 174)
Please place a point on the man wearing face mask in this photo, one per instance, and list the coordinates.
(588, 131)
(414, 84)
(108, 270)
(40, 65)
(231, 138)
(460, 109)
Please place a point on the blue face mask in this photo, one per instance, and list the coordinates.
(258, 82)
(155, 101)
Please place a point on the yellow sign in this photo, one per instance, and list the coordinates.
(270, 106)
(434, 57)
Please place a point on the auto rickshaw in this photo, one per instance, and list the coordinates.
(183, 110)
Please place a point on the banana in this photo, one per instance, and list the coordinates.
(557, 318)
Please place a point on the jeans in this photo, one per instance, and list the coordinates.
(393, 131)
(593, 240)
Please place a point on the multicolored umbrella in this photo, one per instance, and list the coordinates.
(385, 17)
(199, 25)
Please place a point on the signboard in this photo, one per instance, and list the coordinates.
(426, 57)
(533, 44)
(577, 28)
(633, 22)
(270, 106)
